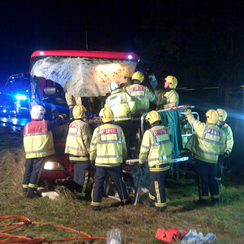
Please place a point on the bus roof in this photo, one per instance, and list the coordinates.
(90, 54)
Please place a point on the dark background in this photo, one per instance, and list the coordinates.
(200, 42)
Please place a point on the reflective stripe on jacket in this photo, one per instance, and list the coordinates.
(171, 99)
(141, 95)
(108, 147)
(121, 104)
(38, 141)
(229, 140)
(78, 140)
(156, 147)
(206, 141)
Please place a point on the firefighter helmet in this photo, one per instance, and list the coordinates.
(106, 114)
(138, 75)
(222, 114)
(172, 81)
(79, 112)
(153, 116)
(212, 116)
(37, 112)
(113, 86)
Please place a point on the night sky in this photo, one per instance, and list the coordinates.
(27, 26)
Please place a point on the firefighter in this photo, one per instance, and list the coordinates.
(229, 141)
(38, 144)
(108, 150)
(78, 147)
(142, 97)
(123, 107)
(168, 98)
(71, 102)
(206, 144)
(156, 149)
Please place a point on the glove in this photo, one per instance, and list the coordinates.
(227, 154)
(141, 166)
(188, 106)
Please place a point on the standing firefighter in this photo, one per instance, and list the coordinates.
(170, 98)
(142, 97)
(108, 149)
(71, 102)
(229, 141)
(156, 148)
(38, 144)
(78, 147)
(123, 108)
(206, 144)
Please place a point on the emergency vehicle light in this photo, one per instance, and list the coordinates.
(20, 97)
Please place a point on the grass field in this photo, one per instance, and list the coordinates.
(138, 224)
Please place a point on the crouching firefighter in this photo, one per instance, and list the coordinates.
(156, 149)
(206, 143)
(38, 144)
(78, 147)
(108, 149)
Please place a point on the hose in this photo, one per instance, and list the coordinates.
(5, 237)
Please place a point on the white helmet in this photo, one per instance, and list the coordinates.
(37, 112)
(113, 86)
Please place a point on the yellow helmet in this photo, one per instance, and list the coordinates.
(106, 114)
(212, 116)
(79, 112)
(153, 116)
(138, 75)
(222, 114)
(172, 81)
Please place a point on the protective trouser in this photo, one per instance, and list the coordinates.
(157, 193)
(220, 167)
(33, 170)
(100, 176)
(82, 173)
(126, 127)
(207, 180)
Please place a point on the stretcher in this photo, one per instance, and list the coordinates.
(135, 162)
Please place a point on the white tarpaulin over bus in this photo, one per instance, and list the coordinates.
(84, 77)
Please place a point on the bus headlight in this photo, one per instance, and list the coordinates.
(53, 165)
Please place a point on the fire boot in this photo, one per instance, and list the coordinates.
(32, 194)
(25, 191)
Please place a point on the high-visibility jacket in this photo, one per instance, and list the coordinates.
(141, 95)
(156, 147)
(206, 141)
(78, 140)
(169, 99)
(38, 140)
(108, 147)
(229, 140)
(121, 104)
(72, 101)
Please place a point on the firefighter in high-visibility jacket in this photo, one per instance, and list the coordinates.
(169, 97)
(78, 148)
(123, 107)
(142, 96)
(206, 143)
(229, 141)
(71, 102)
(156, 149)
(108, 150)
(38, 144)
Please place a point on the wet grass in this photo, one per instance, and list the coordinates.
(138, 223)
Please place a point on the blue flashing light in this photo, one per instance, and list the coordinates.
(21, 97)
(129, 57)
